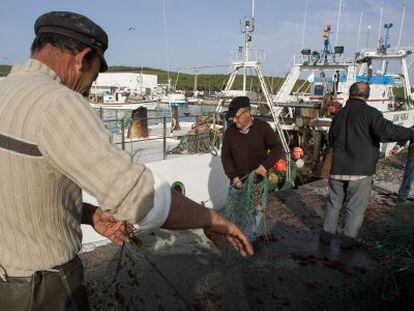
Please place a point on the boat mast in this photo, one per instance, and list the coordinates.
(304, 24)
(401, 26)
(247, 30)
(380, 23)
(255, 64)
(359, 31)
(368, 33)
(387, 45)
(167, 55)
(338, 22)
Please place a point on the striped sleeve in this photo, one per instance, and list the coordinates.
(76, 144)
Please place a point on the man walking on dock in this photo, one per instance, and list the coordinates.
(354, 136)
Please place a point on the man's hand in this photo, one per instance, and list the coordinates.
(261, 170)
(187, 214)
(222, 230)
(106, 224)
(237, 183)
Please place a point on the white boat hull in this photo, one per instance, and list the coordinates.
(150, 105)
(404, 118)
(203, 178)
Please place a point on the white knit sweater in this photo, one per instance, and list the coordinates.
(52, 146)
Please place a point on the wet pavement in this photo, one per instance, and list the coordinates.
(182, 271)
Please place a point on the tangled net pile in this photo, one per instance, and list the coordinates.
(202, 137)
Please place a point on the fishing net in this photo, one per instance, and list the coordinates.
(201, 138)
(193, 143)
(245, 208)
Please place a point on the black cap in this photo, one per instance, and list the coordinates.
(236, 104)
(75, 26)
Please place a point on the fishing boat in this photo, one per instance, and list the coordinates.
(173, 99)
(122, 99)
(324, 78)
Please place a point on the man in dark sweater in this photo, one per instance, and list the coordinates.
(249, 144)
(354, 136)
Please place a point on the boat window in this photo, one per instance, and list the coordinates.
(319, 90)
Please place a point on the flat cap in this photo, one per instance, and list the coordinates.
(236, 104)
(77, 27)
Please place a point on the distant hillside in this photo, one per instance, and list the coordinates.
(4, 70)
(186, 81)
(204, 81)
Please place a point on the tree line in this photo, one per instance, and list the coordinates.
(207, 82)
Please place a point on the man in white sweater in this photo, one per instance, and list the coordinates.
(51, 146)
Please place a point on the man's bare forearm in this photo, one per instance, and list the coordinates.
(187, 214)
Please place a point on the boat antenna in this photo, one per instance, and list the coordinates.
(338, 22)
(359, 30)
(304, 24)
(368, 33)
(401, 25)
(385, 46)
(248, 29)
(253, 9)
(167, 55)
(387, 43)
(380, 21)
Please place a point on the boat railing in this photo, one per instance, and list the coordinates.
(319, 59)
(163, 129)
(253, 55)
(393, 52)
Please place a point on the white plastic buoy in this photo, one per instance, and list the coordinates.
(300, 163)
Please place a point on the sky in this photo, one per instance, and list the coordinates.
(205, 32)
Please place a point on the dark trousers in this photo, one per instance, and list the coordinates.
(46, 290)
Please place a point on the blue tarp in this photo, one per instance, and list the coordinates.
(376, 79)
(342, 78)
(372, 80)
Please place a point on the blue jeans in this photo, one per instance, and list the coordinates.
(407, 179)
(358, 192)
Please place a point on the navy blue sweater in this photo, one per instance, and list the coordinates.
(355, 135)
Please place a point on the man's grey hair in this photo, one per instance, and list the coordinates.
(359, 89)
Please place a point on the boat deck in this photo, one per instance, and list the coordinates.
(147, 150)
